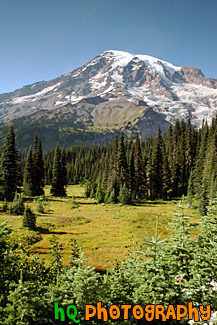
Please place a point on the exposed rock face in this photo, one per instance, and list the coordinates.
(116, 90)
(195, 76)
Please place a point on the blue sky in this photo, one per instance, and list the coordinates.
(40, 40)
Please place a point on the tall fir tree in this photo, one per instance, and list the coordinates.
(122, 167)
(140, 181)
(150, 174)
(157, 163)
(199, 166)
(167, 190)
(9, 168)
(189, 150)
(175, 168)
(132, 173)
(64, 167)
(57, 184)
(183, 181)
(38, 167)
(169, 145)
(29, 182)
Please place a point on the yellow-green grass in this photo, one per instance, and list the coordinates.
(102, 231)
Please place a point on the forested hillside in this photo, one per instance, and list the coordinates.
(180, 162)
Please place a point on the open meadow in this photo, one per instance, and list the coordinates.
(103, 231)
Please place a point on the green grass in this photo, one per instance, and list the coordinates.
(103, 231)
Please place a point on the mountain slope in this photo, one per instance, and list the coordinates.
(116, 90)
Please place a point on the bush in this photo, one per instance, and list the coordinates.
(87, 189)
(29, 218)
(17, 207)
(124, 195)
(5, 206)
(99, 194)
(40, 206)
(73, 203)
(111, 197)
(24, 237)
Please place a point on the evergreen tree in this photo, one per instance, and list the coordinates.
(132, 174)
(113, 190)
(29, 218)
(111, 197)
(190, 188)
(122, 167)
(183, 180)
(124, 195)
(87, 189)
(175, 168)
(169, 145)
(166, 188)
(57, 186)
(38, 167)
(203, 199)
(189, 149)
(63, 166)
(199, 167)
(99, 193)
(140, 182)
(150, 174)
(29, 182)
(17, 207)
(157, 164)
(113, 163)
(9, 168)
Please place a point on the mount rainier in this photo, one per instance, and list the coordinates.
(114, 91)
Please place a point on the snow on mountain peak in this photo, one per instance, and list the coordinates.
(117, 77)
(122, 58)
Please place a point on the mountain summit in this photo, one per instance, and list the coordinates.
(117, 90)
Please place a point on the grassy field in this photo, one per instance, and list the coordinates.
(102, 231)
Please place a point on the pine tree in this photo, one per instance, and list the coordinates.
(169, 145)
(122, 168)
(112, 192)
(64, 167)
(111, 197)
(150, 174)
(175, 168)
(87, 189)
(189, 149)
(203, 199)
(140, 182)
(113, 162)
(124, 195)
(9, 168)
(132, 174)
(157, 164)
(29, 182)
(17, 207)
(99, 193)
(29, 218)
(183, 180)
(210, 163)
(166, 188)
(199, 167)
(190, 189)
(57, 186)
(38, 167)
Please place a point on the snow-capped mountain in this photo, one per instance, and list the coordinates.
(117, 89)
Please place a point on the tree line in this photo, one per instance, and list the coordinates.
(29, 173)
(182, 161)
